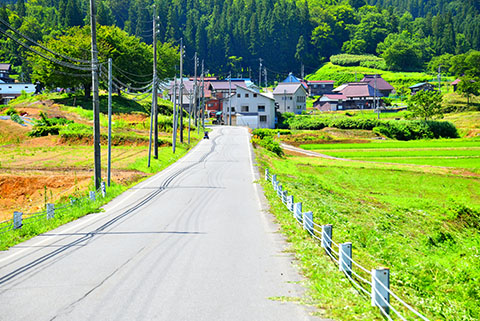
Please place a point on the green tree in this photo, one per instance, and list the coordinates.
(468, 87)
(426, 105)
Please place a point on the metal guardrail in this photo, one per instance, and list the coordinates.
(379, 282)
(20, 219)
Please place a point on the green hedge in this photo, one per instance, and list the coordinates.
(357, 60)
(395, 129)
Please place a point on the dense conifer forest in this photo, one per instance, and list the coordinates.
(233, 35)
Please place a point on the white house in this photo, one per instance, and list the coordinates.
(250, 108)
(290, 97)
(9, 91)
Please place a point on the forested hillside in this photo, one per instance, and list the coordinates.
(233, 35)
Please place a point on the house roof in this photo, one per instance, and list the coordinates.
(335, 96)
(287, 88)
(5, 67)
(320, 81)
(224, 85)
(381, 84)
(358, 89)
(456, 81)
(420, 84)
(291, 78)
(254, 92)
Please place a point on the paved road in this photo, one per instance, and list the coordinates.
(191, 243)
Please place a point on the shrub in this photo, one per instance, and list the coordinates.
(263, 132)
(48, 126)
(270, 144)
(308, 122)
(357, 60)
(11, 111)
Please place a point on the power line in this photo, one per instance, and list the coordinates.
(59, 62)
(132, 74)
(42, 46)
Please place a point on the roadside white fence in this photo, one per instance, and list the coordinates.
(19, 219)
(377, 283)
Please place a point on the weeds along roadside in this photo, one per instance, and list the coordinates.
(430, 249)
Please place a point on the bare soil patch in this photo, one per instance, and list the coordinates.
(28, 190)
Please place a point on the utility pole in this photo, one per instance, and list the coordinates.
(109, 166)
(230, 99)
(203, 98)
(181, 90)
(375, 103)
(95, 102)
(439, 77)
(154, 94)
(195, 89)
(174, 138)
(265, 74)
(303, 71)
(260, 73)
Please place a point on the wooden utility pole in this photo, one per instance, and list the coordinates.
(95, 101)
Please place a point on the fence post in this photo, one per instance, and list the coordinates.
(290, 203)
(266, 174)
(327, 237)
(345, 257)
(274, 179)
(308, 222)
(50, 211)
(380, 295)
(279, 190)
(104, 189)
(297, 211)
(17, 220)
(72, 201)
(92, 195)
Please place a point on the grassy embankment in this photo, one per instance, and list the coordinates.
(28, 160)
(422, 222)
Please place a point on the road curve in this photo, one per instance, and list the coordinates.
(193, 242)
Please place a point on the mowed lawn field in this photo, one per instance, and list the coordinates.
(457, 153)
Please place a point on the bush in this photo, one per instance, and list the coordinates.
(48, 126)
(263, 132)
(401, 130)
(11, 111)
(270, 144)
(358, 60)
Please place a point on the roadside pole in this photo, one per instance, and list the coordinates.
(154, 93)
(174, 125)
(203, 98)
(181, 90)
(95, 101)
(109, 168)
(230, 99)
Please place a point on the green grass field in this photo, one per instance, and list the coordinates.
(421, 222)
(449, 153)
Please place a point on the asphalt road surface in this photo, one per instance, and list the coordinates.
(191, 243)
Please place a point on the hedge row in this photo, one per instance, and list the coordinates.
(395, 129)
(356, 60)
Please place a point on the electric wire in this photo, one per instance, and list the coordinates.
(132, 74)
(42, 46)
(62, 63)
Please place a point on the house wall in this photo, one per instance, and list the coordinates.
(8, 90)
(320, 89)
(247, 102)
(295, 103)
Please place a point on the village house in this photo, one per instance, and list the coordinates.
(320, 87)
(290, 97)
(250, 108)
(425, 86)
(5, 70)
(355, 95)
(376, 81)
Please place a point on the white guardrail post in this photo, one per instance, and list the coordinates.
(308, 222)
(266, 174)
(297, 211)
(92, 195)
(345, 257)
(290, 203)
(50, 211)
(279, 190)
(380, 295)
(327, 237)
(274, 179)
(104, 189)
(17, 220)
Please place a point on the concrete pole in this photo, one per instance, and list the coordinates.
(230, 99)
(174, 125)
(95, 99)
(154, 94)
(109, 165)
(181, 90)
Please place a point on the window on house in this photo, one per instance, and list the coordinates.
(254, 95)
(291, 98)
(261, 109)
(299, 107)
(238, 95)
(323, 85)
(233, 109)
(263, 118)
(246, 95)
(244, 109)
(210, 105)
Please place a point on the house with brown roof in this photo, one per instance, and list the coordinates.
(330, 102)
(290, 97)
(320, 87)
(359, 95)
(376, 81)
